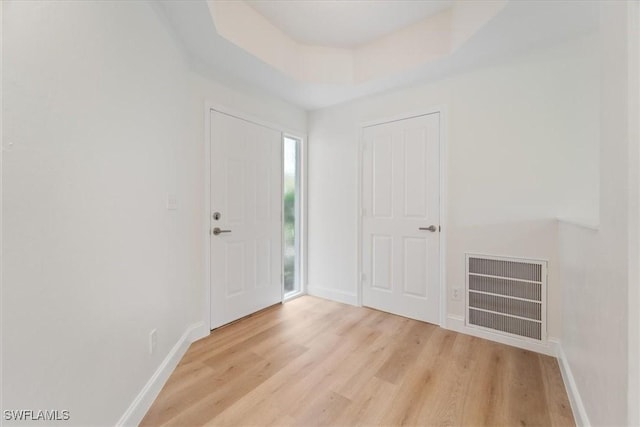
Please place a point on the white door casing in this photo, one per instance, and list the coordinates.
(401, 195)
(246, 190)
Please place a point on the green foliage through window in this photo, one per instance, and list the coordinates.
(290, 214)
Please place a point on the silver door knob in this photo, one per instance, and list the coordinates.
(431, 228)
(217, 231)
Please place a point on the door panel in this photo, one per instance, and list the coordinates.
(382, 147)
(235, 190)
(415, 173)
(415, 268)
(400, 194)
(263, 263)
(246, 262)
(235, 268)
(382, 259)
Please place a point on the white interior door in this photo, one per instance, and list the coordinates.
(400, 201)
(246, 192)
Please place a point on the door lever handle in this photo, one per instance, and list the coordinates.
(431, 228)
(217, 231)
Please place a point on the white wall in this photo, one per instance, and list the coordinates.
(634, 215)
(260, 107)
(102, 120)
(522, 149)
(596, 265)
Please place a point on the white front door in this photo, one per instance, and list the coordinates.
(246, 204)
(401, 217)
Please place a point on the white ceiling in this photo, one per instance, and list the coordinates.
(521, 25)
(344, 23)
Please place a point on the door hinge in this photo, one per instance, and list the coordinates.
(439, 228)
(363, 277)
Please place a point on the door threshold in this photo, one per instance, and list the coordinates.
(292, 296)
(257, 313)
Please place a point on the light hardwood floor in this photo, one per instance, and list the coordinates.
(317, 362)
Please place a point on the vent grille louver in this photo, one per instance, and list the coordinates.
(527, 309)
(523, 328)
(504, 268)
(510, 288)
(507, 295)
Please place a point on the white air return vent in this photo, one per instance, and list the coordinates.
(508, 296)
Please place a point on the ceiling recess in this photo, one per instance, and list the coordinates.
(444, 28)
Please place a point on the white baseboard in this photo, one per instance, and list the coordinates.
(141, 404)
(579, 412)
(333, 294)
(456, 323)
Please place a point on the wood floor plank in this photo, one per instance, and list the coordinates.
(254, 409)
(230, 335)
(225, 392)
(526, 399)
(322, 410)
(369, 406)
(422, 380)
(558, 404)
(409, 346)
(318, 362)
(486, 401)
(444, 406)
(353, 379)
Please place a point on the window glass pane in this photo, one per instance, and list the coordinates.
(291, 234)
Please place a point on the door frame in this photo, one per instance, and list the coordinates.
(206, 248)
(301, 199)
(443, 131)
